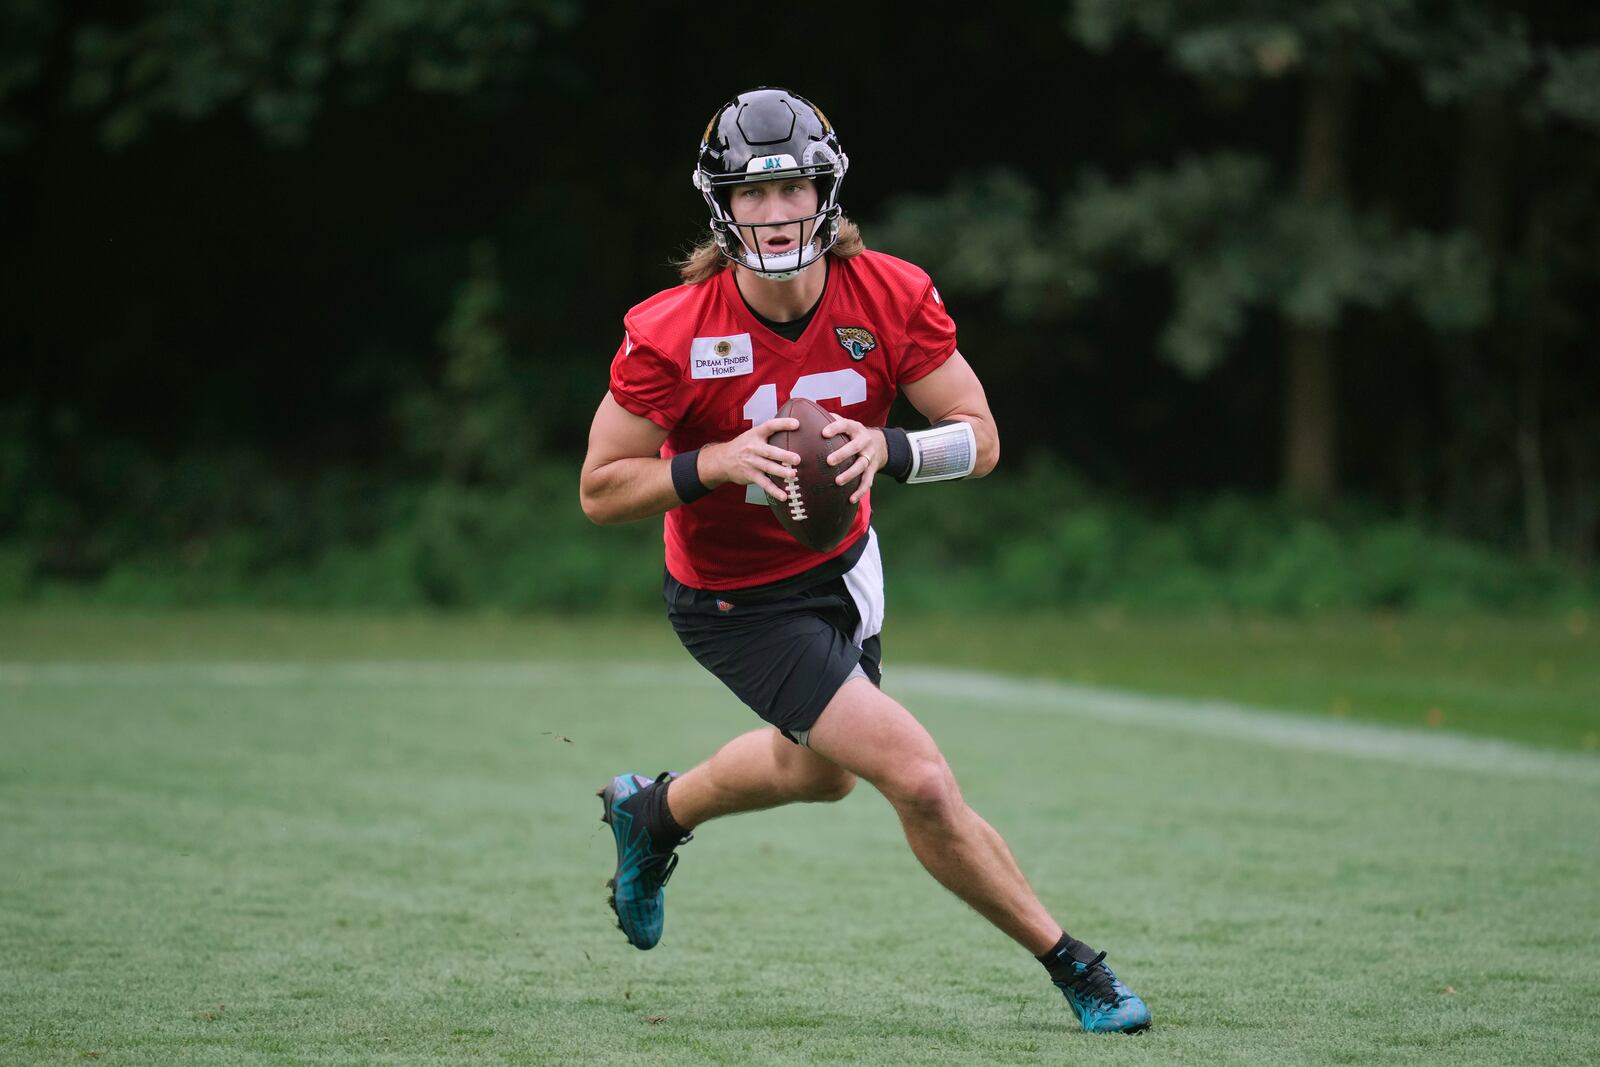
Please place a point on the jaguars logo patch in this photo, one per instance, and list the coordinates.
(856, 340)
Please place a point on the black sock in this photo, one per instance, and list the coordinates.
(1060, 958)
(665, 833)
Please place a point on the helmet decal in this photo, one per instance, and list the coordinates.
(782, 161)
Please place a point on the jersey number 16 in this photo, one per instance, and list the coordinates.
(846, 386)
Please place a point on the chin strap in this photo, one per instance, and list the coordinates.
(758, 263)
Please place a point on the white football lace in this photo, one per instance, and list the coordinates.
(791, 488)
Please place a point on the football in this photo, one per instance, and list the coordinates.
(818, 512)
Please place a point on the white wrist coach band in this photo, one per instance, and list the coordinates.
(942, 453)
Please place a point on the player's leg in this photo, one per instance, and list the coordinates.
(869, 733)
(872, 735)
(784, 656)
(650, 819)
(760, 769)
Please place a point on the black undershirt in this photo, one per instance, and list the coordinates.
(790, 331)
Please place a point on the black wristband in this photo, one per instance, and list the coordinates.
(686, 476)
(899, 465)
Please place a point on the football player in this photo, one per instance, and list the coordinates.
(783, 300)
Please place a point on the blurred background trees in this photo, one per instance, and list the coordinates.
(314, 300)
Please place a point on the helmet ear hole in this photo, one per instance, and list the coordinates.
(828, 230)
(722, 236)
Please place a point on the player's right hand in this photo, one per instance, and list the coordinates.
(749, 460)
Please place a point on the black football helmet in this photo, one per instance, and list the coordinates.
(763, 135)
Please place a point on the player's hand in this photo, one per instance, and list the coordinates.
(862, 456)
(749, 460)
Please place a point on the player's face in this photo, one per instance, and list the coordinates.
(764, 204)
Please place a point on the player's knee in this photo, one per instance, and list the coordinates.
(925, 790)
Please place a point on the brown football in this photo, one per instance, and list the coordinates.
(818, 512)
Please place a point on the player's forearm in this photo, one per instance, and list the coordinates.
(641, 486)
(988, 439)
(952, 393)
(627, 489)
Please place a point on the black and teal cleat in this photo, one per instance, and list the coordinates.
(643, 867)
(1101, 1002)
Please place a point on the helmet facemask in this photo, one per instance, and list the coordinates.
(824, 167)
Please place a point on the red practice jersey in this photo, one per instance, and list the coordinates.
(698, 363)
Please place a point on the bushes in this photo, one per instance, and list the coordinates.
(225, 532)
(1039, 539)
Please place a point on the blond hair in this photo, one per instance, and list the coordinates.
(705, 260)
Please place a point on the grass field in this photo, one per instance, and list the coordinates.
(253, 839)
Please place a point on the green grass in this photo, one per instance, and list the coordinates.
(319, 850)
(1535, 680)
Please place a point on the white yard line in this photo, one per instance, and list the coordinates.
(1214, 718)
(1239, 722)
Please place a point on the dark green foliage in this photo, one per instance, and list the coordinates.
(1042, 540)
(345, 542)
(282, 61)
(293, 296)
(1211, 222)
(1037, 538)
(474, 426)
(1337, 175)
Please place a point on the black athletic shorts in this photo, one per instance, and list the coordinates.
(785, 648)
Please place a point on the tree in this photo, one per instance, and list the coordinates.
(282, 62)
(1275, 224)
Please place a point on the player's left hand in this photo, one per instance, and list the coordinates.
(863, 455)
